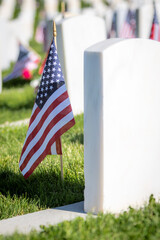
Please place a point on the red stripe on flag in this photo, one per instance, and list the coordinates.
(34, 115)
(52, 123)
(58, 146)
(60, 99)
(47, 149)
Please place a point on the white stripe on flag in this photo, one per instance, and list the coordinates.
(53, 149)
(49, 118)
(51, 99)
(52, 132)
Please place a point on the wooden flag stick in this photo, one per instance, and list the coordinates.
(55, 41)
(63, 8)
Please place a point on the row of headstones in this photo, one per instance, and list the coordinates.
(26, 20)
(15, 31)
(6, 12)
(121, 112)
(144, 13)
(72, 6)
(143, 17)
(74, 35)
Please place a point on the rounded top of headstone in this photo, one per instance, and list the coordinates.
(104, 45)
(80, 19)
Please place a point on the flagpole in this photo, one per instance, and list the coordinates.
(55, 41)
(63, 8)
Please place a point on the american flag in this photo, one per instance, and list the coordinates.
(155, 29)
(39, 35)
(129, 27)
(26, 60)
(51, 116)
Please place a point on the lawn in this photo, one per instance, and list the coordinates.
(44, 188)
(16, 103)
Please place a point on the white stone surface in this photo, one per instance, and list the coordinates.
(108, 19)
(7, 9)
(33, 221)
(73, 6)
(74, 35)
(8, 44)
(121, 124)
(51, 8)
(24, 24)
(0, 79)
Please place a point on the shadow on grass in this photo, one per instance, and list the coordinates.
(45, 187)
(79, 137)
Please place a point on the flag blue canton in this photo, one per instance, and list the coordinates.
(52, 77)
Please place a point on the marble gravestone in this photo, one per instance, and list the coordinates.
(73, 6)
(51, 8)
(74, 35)
(146, 12)
(0, 79)
(10, 33)
(7, 9)
(121, 124)
(122, 9)
(8, 41)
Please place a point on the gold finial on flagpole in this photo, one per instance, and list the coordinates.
(55, 41)
(55, 33)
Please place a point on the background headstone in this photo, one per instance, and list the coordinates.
(146, 12)
(51, 8)
(15, 31)
(74, 35)
(121, 124)
(7, 9)
(122, 9)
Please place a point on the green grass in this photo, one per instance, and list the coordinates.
(142, 224)
(43, 189)
(16, 103)
(17, 10)
(7, 115)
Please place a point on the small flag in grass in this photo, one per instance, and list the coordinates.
(51, 116)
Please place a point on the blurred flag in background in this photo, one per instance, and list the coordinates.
(129, 27)
(26, 62)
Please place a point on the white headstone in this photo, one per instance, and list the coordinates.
(7, 9)
(145, 19)
(122, 9)
(20, 29)
(8, 44)
(73, 6)
(74, 35)
(0, 79)
(108, 19)
(51, 8)
(121, 124)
